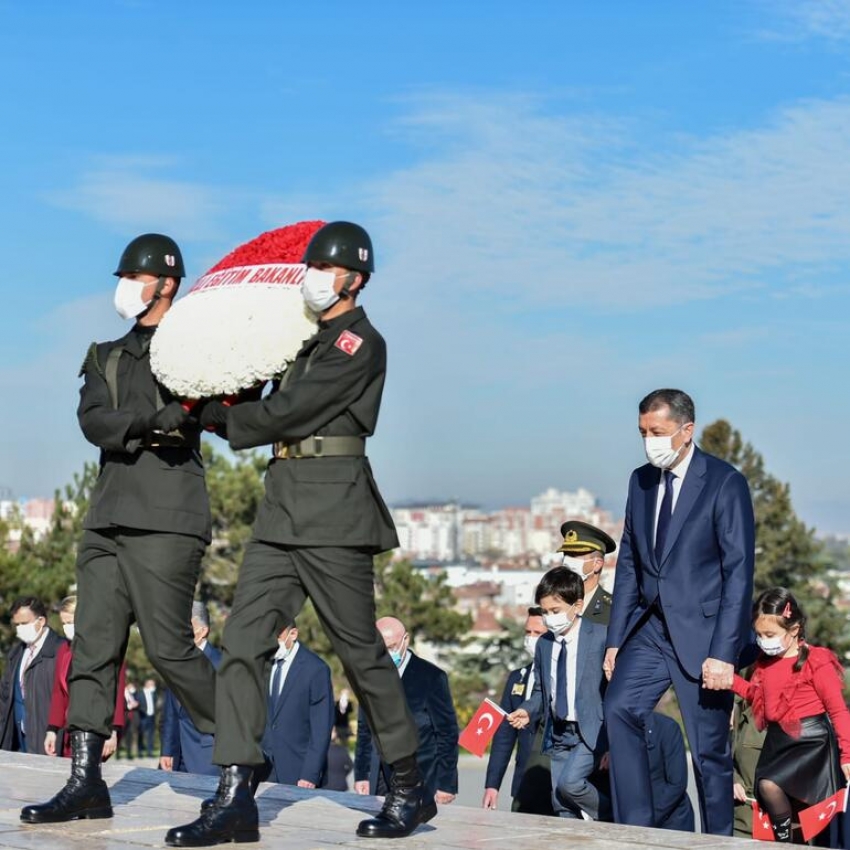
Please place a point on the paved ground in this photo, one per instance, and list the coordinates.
(147, 802)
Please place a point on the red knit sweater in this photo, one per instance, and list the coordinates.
(780, 695)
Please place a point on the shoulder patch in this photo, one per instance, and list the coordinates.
(348, 343)
(90, 361)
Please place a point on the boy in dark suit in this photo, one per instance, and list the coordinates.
(532, 781)
(568, 688)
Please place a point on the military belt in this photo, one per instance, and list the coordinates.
(316, 446)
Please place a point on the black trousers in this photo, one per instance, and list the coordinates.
(124, 576)
(273, 583)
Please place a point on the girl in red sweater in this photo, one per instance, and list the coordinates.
(796, 691)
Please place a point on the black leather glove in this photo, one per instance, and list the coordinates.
(171, 417)
(214, 416)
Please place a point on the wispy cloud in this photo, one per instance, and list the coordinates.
(132, 193)
(518, 203)
(796, 20)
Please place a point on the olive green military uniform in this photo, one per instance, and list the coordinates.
(747, 743)
(145, 533)
(598, 608)
(317, 529)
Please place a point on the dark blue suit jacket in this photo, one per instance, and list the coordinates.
(507, 737)
(298, 725)
(589, 687)
(668, 770)
(704, 579)
(426, 688)
(191, 750)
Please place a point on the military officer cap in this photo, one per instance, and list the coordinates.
(582, 538)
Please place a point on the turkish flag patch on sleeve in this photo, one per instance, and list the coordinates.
(349, 343)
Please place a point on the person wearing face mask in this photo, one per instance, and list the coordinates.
(568, 690)
(584, 548)
(145, 532)
(57, 741)
(300, 716)
(27, 683)
(679, 615)
(317, 530)
(532, 781)
(426, 691)
(796, 692)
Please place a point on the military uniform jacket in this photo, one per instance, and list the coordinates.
(599, 608)
(333, 388)
(152, 489)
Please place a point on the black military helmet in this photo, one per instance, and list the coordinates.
(341, 243)
(152, 253)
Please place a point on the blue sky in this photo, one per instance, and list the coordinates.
(572, 204)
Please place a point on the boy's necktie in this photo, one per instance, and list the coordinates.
(561, 704)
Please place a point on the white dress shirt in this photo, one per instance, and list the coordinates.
(571, 640)
(284, 670)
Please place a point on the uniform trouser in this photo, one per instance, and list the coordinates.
(646, 666)
(273, 583)
(125, 576)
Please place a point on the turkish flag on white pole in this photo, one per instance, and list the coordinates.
(481, 728)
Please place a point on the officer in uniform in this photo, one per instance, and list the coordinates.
(316, 532)
(144, 535)
(585, 547)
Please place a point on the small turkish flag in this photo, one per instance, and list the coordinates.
(762, 827)
(481, 728)
(816, 818)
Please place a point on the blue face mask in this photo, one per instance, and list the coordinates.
(399, 652)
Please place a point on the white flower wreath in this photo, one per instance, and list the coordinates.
(235, 327)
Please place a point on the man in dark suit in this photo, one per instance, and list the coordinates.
(585, 547)
(148, 710)
(426, 688)
(568, 691)
(300, 715)
(184, 748)
(681, 609)
(27, 684)
(146, 530)
(531, 787)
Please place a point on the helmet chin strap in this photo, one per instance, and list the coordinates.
(347, 283)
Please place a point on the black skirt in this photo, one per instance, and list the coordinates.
(806, 768)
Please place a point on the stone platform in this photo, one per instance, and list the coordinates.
(148, 802)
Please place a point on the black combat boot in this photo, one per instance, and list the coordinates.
(85, 794)
(406, 805)
(231, 817)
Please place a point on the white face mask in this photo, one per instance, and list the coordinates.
(28, 633)
(576, 565)
(660, 451)
(530, 644)
(68, 628)
(284, 651)
(771, 646)
(317, 289)
(128, 298)
(557, 623)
